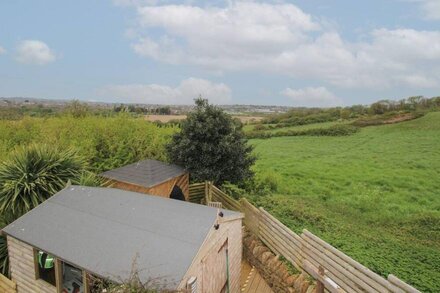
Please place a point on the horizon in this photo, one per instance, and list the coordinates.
(268, 53)
(67, 100)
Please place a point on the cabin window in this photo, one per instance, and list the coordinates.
(45, 267)
(72, 278)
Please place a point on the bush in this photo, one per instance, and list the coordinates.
(105, 142)
(337, 130)
(29, 177)
(211, 146)
(33, 174)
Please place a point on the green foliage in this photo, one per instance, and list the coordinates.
(374, 194)
(30, 176)
(211, 146)
(105, 142)
(303, 116)
(77, 109)
(33, 174)
(335, 130)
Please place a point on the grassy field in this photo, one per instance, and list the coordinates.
(375, 195)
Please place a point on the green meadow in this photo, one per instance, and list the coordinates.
(374, 195)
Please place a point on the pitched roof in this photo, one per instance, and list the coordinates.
(147, 173)
(102, 230)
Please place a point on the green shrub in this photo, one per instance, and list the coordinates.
(211, 146)
(33, 174)
(336, 130)
(105, 142)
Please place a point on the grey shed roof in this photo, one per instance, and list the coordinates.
(102, 230)
(147, 173)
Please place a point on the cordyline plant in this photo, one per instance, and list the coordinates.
(30, 176)
(35, 173)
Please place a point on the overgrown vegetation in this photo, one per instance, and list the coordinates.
(374, 194)
(33, 174)
(30, 176)
(336, 130)
(39, 156)
(105, 142)
(329, 122)
(212, 146)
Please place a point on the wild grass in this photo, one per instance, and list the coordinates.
(105, 142)
(375, 194)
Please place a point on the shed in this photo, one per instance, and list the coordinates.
(151, 177)
(106, 232)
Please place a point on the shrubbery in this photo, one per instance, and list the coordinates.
(105, 142)
(337, 130)
(211, 146)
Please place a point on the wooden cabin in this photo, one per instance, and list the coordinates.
(151, 177)
(106, 232)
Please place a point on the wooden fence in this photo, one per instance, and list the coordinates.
(333, 270)
(6, 285)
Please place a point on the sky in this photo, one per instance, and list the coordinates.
(295, 53)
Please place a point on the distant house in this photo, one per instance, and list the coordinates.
(83, 231)
(151, 177)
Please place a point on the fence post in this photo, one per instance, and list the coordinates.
(319, 284)
(208, 191)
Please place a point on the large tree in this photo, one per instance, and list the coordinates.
(211, 146)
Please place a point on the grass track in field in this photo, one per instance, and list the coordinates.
(375, 195)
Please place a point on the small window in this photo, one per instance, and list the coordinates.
(72, 279)
(45, 267)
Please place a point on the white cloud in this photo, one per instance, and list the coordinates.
(282, 39)
(2, 50)
(430, 9)
(312, 97)
(34, 52)
(184, 93)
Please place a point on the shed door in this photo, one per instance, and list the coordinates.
(215, 273)
(177, 193)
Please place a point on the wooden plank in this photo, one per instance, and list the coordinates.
(278, 239)
(329, 284)
(229, 203)
(367, 272)
(401, 284)
(289, 235)
(58, 275)
(280, 250)
(280, 225)
(342, 274)
(6, 283)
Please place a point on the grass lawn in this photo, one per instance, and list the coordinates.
(375, 195)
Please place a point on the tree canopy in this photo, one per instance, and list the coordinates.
(211, 146)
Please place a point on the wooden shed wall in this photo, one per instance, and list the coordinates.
(208, 265)
(22, 265)
(164, 189)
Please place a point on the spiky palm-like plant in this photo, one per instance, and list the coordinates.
(33, 174)
(30, 176)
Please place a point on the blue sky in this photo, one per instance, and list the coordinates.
(296, 53)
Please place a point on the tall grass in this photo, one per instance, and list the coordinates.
(374, 194)
(105, 142)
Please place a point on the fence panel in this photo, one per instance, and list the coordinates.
(334, 269)
(196, 192)
(227, 201)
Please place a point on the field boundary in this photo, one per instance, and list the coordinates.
(333, 270)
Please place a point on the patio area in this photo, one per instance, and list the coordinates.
(251, 280)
